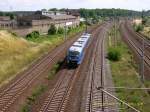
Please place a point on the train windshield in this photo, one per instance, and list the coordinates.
(77, 45)
(73, 53)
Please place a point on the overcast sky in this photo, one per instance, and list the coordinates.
(7, 5)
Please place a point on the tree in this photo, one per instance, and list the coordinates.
(43, 10)
(139, 28)
(53, 9)
(114, 54)
(81, 23)
(144, 20)
(60, 30)
(52, 30)
(90, 13)
(63, 9)
(12, 16)
(34, 34)
(1, 13)
(69, 29)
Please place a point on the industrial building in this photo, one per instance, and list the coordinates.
(27, 22)
(6, 22)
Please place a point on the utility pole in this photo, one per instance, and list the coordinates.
(114, 28)
(142, 61)
(143, 55)
(65, 31)
(115, 31)
(86, 20)
(86, 24)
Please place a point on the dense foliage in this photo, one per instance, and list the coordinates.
(34, 34)
(11, 15)
(92, 13)
(114, 54)
(81, 24)
(60, 30)
(52, 30)
(138, 27)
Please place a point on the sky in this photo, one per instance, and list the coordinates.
(16, 5)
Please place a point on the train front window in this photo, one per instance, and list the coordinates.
(73, 53)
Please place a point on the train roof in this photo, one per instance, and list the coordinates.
(77, 46)
(81, 40)
(87, 34)
(80, 43)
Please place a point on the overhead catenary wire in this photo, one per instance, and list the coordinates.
(134, 88)
(109, 94)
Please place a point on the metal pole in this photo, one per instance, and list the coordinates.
(65, 33)
(142, 61)
(130, 88)
(120, 100)
(86, 24)
(102, 101)
(115, 30)
(114, 36)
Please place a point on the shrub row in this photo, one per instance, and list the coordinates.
(114, 54)
(34, 34)
(138, 28)
(52, 31)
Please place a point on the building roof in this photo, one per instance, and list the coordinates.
(58, 17)
(4, 18)
(41, 17)
(33, 17)
(24, 13)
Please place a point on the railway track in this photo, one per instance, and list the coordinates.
(11, 92)
(135, 43)
(137, 37)
(59, 95)
(147, 41)
(96, 99)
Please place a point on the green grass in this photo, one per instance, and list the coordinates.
(54, 70)
(146, 32)
(37, 92)
(54, 38)
(125, 74)
(30, 100)
(114, 54)
(17, 53)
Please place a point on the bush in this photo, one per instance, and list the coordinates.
(60, 30)
(81, 24)
(52, 30)
(114, 54)
(144, 21)
(34, 34)
(69, 29)
(138, 27)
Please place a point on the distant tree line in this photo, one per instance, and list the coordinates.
(10, 14)
(54, 9)
(92, 13)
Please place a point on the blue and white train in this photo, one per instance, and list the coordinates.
(76, 52)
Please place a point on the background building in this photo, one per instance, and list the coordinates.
(27, 22)
(6, 22)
